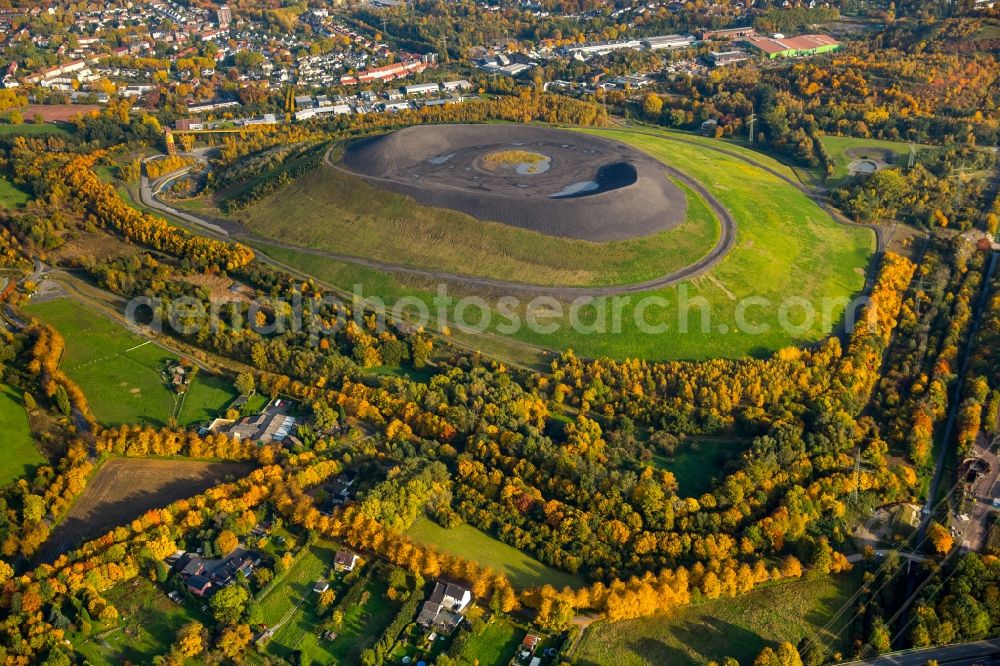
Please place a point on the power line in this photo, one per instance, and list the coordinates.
(825, 629)
(909, 600)
(913, 618)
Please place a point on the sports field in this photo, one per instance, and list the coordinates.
(787, 247)
(467, 541)
(737, 627)
(119, 371)
(20, 455)
(34, 129)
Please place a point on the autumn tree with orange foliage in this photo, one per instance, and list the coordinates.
(940, 537)
(102, 201)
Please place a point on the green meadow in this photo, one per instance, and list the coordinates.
(20, 456)
(120, 371)
(739, 627)
(467, 541)
(787, 247)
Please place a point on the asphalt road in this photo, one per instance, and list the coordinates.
(881, 553)
(36, 273)
(146, 196)
(956, 396)
(984, 653)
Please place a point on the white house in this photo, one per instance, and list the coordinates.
(344, 561)
(459, 84)
(421, 88)
(446, 606)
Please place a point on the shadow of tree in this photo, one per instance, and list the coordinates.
(691, 643)
(98, 513)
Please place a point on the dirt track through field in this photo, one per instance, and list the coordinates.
(125, 488)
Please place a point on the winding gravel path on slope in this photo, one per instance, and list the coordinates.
(727, 236)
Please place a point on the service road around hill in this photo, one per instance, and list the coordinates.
(726, 241)
(148, 195)
(727, 236)
(786, 245)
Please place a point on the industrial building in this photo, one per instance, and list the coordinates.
(722, 58)
(657, 43)
(421, 88)
(779, 46)
(601, 48)
(667, 42)
(728, 33)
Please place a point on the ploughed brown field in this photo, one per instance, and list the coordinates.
(57, 112)
(125, 488)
